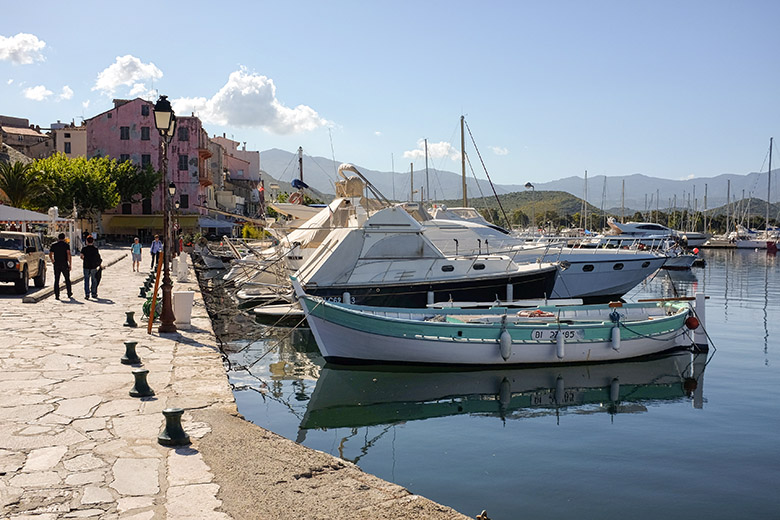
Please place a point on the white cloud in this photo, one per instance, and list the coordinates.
(10, 81)
(85, 104)
(378, 133)
(37, 93)
(249, 100)
(21, 49)
(689, 177)
(438, 150)
(67, 93)
(126, 71)
(499, 150)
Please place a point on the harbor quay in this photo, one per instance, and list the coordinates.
(74, 442)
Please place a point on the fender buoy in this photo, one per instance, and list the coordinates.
(692, 322)
(505, 345)
(295, 198)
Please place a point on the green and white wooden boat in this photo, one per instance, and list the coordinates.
(497, 335)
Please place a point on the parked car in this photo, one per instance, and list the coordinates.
(21, 258)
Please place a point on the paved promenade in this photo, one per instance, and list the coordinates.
(74, 444)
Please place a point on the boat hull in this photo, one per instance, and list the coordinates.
(537, 283)
(350, 335)
(603, 282)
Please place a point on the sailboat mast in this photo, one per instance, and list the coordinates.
(463, 161)
(623, 203)
(411, 182)
(392, 177)
(300, 162)
(427, 186)
(728, 206)
(768, 185)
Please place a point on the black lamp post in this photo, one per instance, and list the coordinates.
(165, 121)
(530, 186)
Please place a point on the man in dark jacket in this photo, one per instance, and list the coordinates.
(59, 254)
(91, 257)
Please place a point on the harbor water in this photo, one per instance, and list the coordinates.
(681, 436)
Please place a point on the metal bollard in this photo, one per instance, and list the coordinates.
(130, 321)
(173, 434)
(142, 294)
(141, 387)
(130, 357)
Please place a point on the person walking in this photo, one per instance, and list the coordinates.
(92, 262)
(59, 254)
(155, 249)
(135, 249)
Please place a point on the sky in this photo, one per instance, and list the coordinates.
(671, 89)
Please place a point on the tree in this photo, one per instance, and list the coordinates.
(132, 182)
(18, 184)
(80, 181)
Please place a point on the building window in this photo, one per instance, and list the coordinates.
(183, 162)
(123, 157)
(184, 201)
(109, 115)
(67, 135)
(67, 147)
(127, 208)
(146, 159)
(144, 133)
(144, 110)
(124, 133)
(146, 206)
(184, 133)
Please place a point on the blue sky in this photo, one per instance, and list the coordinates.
(672, 89)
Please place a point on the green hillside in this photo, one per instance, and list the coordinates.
(559, 208)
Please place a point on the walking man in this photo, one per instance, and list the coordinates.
(91, 257)
(155, 249)
(59, 254)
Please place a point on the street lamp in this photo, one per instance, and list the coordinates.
(530, 186)
(165, 121)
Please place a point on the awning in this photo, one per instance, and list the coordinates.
(11, 214)
(130, 224)
(206, 222)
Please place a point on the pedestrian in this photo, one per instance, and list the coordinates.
(155, 250)
(92, 265)
(135, 249)
(59, 254)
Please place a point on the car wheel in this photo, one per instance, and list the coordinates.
(24, 284)
(40, 280)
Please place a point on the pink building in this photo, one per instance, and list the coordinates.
(127, 132)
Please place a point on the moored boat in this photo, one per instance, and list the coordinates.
(498, 335)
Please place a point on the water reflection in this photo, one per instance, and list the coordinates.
(349, 397)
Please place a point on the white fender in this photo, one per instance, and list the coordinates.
(559, 345)
(505, 344)
(616, 338)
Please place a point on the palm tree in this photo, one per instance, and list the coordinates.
(17, 183)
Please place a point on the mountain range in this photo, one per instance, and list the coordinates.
(641, 191)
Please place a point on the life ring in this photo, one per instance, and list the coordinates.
(296, 198)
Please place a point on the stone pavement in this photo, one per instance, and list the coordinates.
(74, 444)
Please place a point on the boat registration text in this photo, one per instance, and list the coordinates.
(552, 334)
